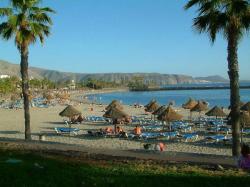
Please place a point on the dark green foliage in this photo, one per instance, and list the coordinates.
(9, 85)
(39, 171)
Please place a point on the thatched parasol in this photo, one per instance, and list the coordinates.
(117, 116)
(244, 119)
(115, 113)
(216, 111)
(190, 104)
(150, 103)
(114, 104)
(153, 107)
(169, 115)
(70, 111)
(246, 107)
(241, 104)
(159, 110)
(199, 107)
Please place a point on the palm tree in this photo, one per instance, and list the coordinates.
(26, 22)
(232, 19)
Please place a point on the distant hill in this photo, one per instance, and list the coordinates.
(215, 78)
(7, 68)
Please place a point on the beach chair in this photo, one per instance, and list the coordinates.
(65, 130)
(217, 138)
(189, 136)
(150, 135)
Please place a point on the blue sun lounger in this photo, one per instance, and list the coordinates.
(190, 136)
(217, 138)
(152, 128)
(62, 130)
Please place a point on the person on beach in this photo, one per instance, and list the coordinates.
(109, 130)
(119, 129)
(137, 130)
(160, 147)
(244, 161)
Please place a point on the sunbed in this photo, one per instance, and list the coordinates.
(63, 130)
(189, 136)
(217, 138)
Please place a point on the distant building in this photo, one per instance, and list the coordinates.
(72, 85)
(4, 76)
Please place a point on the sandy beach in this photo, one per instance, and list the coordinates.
(44, 120)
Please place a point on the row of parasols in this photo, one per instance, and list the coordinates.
(115, 111)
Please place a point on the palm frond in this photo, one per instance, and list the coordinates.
(5, 12)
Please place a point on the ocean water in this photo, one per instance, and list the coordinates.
(213, 97)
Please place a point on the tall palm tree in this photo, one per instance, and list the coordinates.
(232, 19)
(26, 22)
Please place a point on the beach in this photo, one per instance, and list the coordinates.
(44, 120)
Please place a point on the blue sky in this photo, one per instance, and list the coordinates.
(96, 36)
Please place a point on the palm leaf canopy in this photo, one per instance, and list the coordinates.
(246, 107)
(153, 107)
(115, 113)
(25, 21)
(159, 110)
(199, 107)
(114, 104)
(189, 104)
(216, 111)
(169, 115)
(224, 16)
(70, 111)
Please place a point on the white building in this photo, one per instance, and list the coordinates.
(4, 76)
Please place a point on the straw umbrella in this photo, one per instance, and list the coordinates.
(150, 102)
(159, 110)
(241, 104)
(189, 105)
(216, 111)
(246, 107)
(117, 116)
(153, 107)
(114, 104)
(199, 107)
(169, 115)
(244, 121)
(70, 112)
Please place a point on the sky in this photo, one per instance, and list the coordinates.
(103, 36)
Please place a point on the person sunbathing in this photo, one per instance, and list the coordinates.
(119, 130)
(244, 161)
(109, 130)
(137, 130)
(160, 147)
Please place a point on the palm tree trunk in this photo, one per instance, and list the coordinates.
(25, 89)
(233, 72)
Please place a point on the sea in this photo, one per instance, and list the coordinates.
(220, 97)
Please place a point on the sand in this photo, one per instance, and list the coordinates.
(44, 120)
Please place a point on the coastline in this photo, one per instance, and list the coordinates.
(82, 96)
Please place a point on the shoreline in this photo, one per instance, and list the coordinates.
(186, 88)
(83, 95)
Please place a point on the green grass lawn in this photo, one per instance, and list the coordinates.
(35, 170)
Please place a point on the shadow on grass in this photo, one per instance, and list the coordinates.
(41, 171)
(10, 132)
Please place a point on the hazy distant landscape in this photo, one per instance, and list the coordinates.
(7, 68)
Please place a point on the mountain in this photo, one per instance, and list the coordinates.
(7, 68)
(215, 78)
